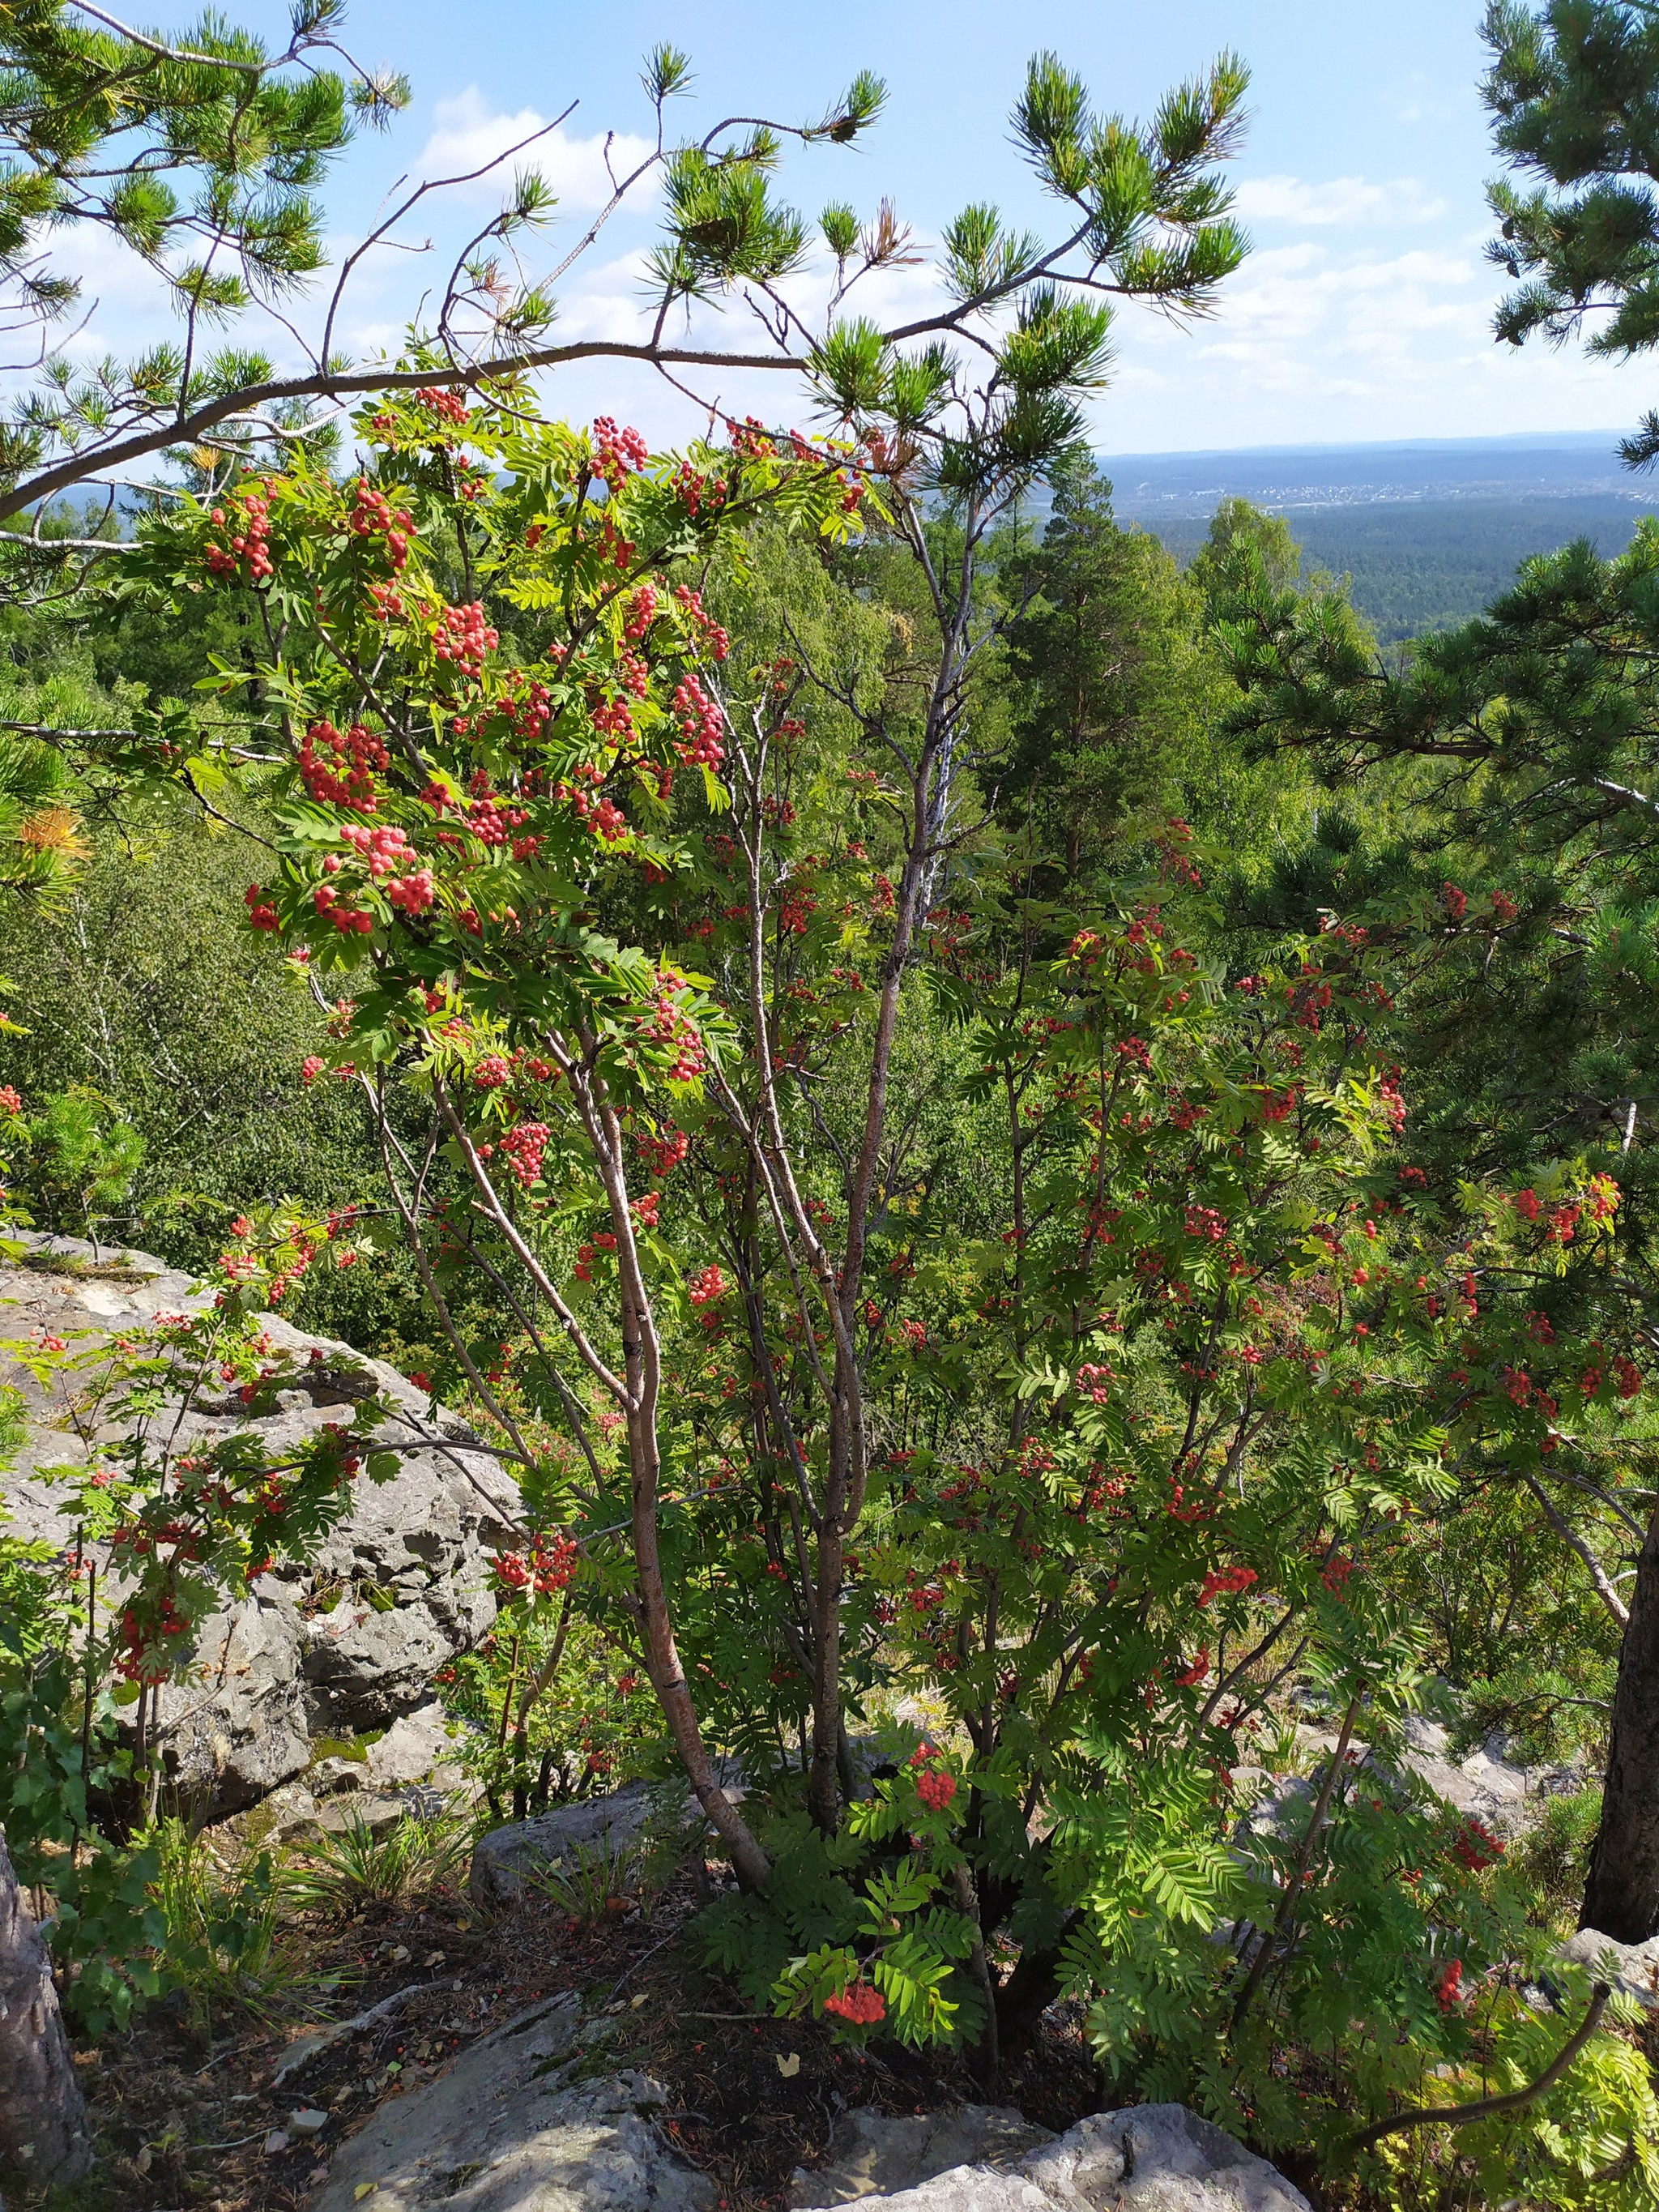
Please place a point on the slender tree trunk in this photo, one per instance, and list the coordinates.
(1621, 1898)
(43, 2137)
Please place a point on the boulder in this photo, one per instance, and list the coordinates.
(345, 1646)
(1151, 2157)
(503, 1860)
(1146, 2157)
(875, 2154)
(506, 2129)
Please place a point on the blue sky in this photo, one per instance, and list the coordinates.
(1362, 313)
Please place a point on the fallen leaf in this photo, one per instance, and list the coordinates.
(788, 2067)
(399, 1954)
(275, 2141)
(644, 1997)
(433, 1958)
(144, 2159)
(364, 2189)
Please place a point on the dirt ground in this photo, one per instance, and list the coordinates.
(185, 2123)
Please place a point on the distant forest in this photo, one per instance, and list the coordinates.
(1418, 567)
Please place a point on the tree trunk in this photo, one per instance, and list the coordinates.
(44, 2137)
(1621, 1898)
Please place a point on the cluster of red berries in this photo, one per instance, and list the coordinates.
(260, 913)
(668, 1024)
(491, 823)
(857, 2002)
(713, 636)
(414, 893)
(330, 905)
(748, 438)
(936, 1785)
(694, 488)
(372, 517)
(1203, 1221)
(707, 1286)
(524, 1145)
(1225, 1581)
(140, 1660)
(794, 909)
(463, 637)
(529, 714)
(664, 1152)
(702, 725)
(620, 453)
(251, 544)
(614, 717)
(492, 1071)
(1475, 1847)
(641, 613)
(1093, 1382)
(587, 1254)
(437, 400)
(545, 1568)
(385, 848)
(337, 769)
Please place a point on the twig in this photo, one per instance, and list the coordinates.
(652, 1954)
(1485, 2108)
(1298, 1873)
(310, 2046)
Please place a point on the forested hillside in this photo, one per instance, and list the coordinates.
(1414, 569)
(1005, 1186)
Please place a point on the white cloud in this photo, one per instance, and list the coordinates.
(468, 134)
(1311, 344)
(1344, 202)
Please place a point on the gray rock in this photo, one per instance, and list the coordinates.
(1148, 2158)
(877, 2153)
(502, 1860)
(1632, 1968)
(502, 2132)
(1482, 1788)
(349, 1644)
(364, 1666)
(420, 1747)
(1156, 2158)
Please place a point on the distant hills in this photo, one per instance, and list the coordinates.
(1429, 530)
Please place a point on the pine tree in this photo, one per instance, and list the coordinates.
(1108, 649)
(1574, 90)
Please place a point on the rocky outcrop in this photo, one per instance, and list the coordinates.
(338, 1650)
(507, 2129)
(1146, 2157)
(1485, 1785)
